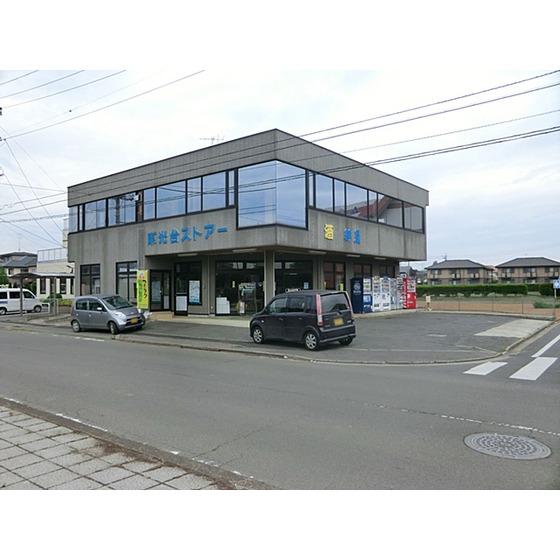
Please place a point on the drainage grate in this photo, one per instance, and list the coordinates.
(509, 447)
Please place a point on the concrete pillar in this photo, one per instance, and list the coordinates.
(269, 257)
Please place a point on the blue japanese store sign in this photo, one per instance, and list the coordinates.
(163, 237)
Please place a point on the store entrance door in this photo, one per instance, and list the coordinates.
(160, 290)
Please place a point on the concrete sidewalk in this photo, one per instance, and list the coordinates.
(39, 454)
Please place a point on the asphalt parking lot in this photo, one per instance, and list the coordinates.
(398, 337)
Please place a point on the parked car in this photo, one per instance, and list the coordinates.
(10, 301)
(111, 312)
(311, 317)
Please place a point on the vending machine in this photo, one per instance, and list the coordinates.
(385, 296)
(409, 293)
(361, 295)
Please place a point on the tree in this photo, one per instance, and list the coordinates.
(3, 277)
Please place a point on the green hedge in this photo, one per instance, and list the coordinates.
(469, 289)
(546, 289)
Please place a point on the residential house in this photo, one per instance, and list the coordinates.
(18, 263)
(460, 271)
(528, 270)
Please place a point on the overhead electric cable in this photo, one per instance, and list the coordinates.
(430, 104)
(479, 144)
(108, 189)
(450, 132)
(438, 112)
(45, 84)
(263, 183)
(18, 78)
(74, 109)
(65, 90)
(23, 173)
(108, 106)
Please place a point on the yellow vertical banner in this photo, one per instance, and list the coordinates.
(142, 300)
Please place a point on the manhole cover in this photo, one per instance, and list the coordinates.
(509, 447)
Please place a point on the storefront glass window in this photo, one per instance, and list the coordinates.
(293, 275)
(291, 208)
(188, 280)
(256, 203)
(334, 275)
(214, 191)
(122, 209)
(390, 211)
(74, 218)
(413, 217)
(362, 271)
(126, 280)
(356, 202)
(194, 195)
(90, 279)
(171, 200)
(323, 193)
(240, 285)
(94, 214)
(149, 204)
(339, 197)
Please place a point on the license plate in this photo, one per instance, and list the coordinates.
(133, 321)
(338, 321)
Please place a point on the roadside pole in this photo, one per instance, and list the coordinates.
(555, 286)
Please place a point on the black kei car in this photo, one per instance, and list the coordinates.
(311, 317)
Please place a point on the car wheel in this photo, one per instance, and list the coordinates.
(37, 309)
(258, 335)
(2, 311)
(76, 326)
(113, 328)
(346, 341)
(139, 328)
(311, 341)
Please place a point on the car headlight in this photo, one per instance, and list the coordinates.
(120, 315)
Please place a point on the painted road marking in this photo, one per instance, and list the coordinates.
(485, 369)
(533, 370)
(520, 328)
(546, 347)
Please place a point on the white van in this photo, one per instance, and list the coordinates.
(10, 301)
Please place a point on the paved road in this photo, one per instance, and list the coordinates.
(301, 423)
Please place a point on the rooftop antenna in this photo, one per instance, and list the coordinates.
(214, 139)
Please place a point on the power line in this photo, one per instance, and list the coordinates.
(108, 106)
(22, 172)
(479, 144)
(433, 104)
(45, 84)
(236, 159)
(438, 112)
(525, 135)
(74, 109)
(65, 90)
(18, 78)
(451, 132)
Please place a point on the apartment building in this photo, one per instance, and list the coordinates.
(460, 271)
(528, 270)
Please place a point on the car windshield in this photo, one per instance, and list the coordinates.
(117, 302)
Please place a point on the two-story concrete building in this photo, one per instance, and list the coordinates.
(224, 228)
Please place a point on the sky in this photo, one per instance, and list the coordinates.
(102, 114)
